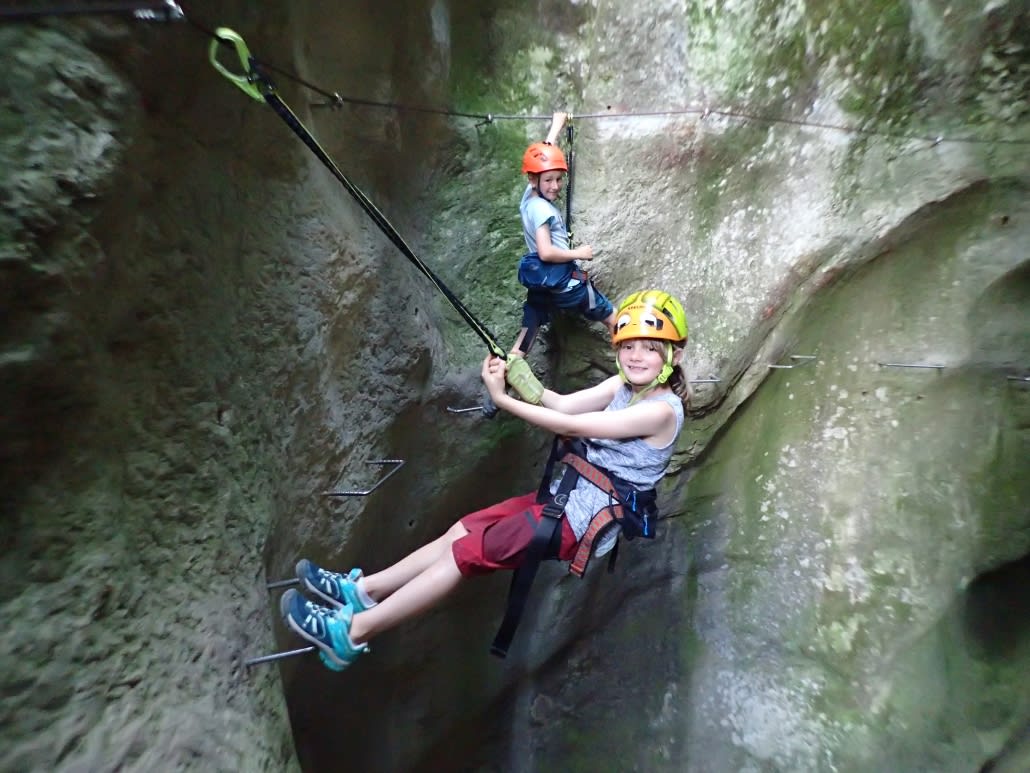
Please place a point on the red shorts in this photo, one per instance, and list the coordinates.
(499, 535)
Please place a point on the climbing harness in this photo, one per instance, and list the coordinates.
(257, 85)
(535, 273)
(633, 510)
(541, 280)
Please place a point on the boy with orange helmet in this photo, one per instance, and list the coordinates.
(549, 270)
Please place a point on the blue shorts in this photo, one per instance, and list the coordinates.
(536, 311)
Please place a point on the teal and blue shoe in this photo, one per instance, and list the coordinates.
(327, 629)
(335, 589)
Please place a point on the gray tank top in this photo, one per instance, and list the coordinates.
(631, 459)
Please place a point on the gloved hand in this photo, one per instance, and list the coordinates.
(519, 376)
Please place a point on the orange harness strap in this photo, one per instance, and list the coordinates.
(602, 519)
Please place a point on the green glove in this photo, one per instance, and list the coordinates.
(520, 377)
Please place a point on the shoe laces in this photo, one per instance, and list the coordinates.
(318, 615)
(330, 581)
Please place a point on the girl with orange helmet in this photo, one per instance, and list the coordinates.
(549, 270)
(627, 425)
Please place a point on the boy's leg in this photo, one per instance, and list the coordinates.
(535, 314)
(517, 348)
(525, 341)
(588, 301)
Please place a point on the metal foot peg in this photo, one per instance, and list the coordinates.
(279, 656)
(364, 493)
(797, 360)
(910, 365)
(465, 410)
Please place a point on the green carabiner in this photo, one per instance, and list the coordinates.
(245, 82)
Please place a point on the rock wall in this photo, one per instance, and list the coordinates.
(203, 332)
(139, 458)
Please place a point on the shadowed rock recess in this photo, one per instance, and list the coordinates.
(202, 333)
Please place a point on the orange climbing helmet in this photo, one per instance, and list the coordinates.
(541, 157)
(650, 314)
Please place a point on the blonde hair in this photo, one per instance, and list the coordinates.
(679, 381)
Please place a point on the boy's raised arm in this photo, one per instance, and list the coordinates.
(557, 122)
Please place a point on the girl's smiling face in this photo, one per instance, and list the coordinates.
(642, 360)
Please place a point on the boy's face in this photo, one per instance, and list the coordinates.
(549, 184)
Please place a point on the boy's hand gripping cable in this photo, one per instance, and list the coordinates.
(257, 85)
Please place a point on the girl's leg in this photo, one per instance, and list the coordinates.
(389, 580)
(410, 599)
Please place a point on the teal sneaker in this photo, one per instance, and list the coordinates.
(335, 589)
(327, 629)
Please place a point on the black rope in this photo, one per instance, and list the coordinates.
(569, 186)
(267, 89)
(152, 11)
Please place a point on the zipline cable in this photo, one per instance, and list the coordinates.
(169, 10)
(259, 86)
(335, 100)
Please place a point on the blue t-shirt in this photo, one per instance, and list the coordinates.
(536, 211)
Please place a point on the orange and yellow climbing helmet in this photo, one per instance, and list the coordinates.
(650, 314)
(541, 157)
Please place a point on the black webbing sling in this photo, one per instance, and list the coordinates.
(546, 543)
(259, 86)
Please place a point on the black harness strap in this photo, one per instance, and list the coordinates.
(568, 187)
(546, 544)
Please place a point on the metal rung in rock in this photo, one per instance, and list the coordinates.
(294, 581)
(930, 366)
(380, 482)
(279, 656)
(799, 360)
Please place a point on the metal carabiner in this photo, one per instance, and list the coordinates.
(245, 82)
